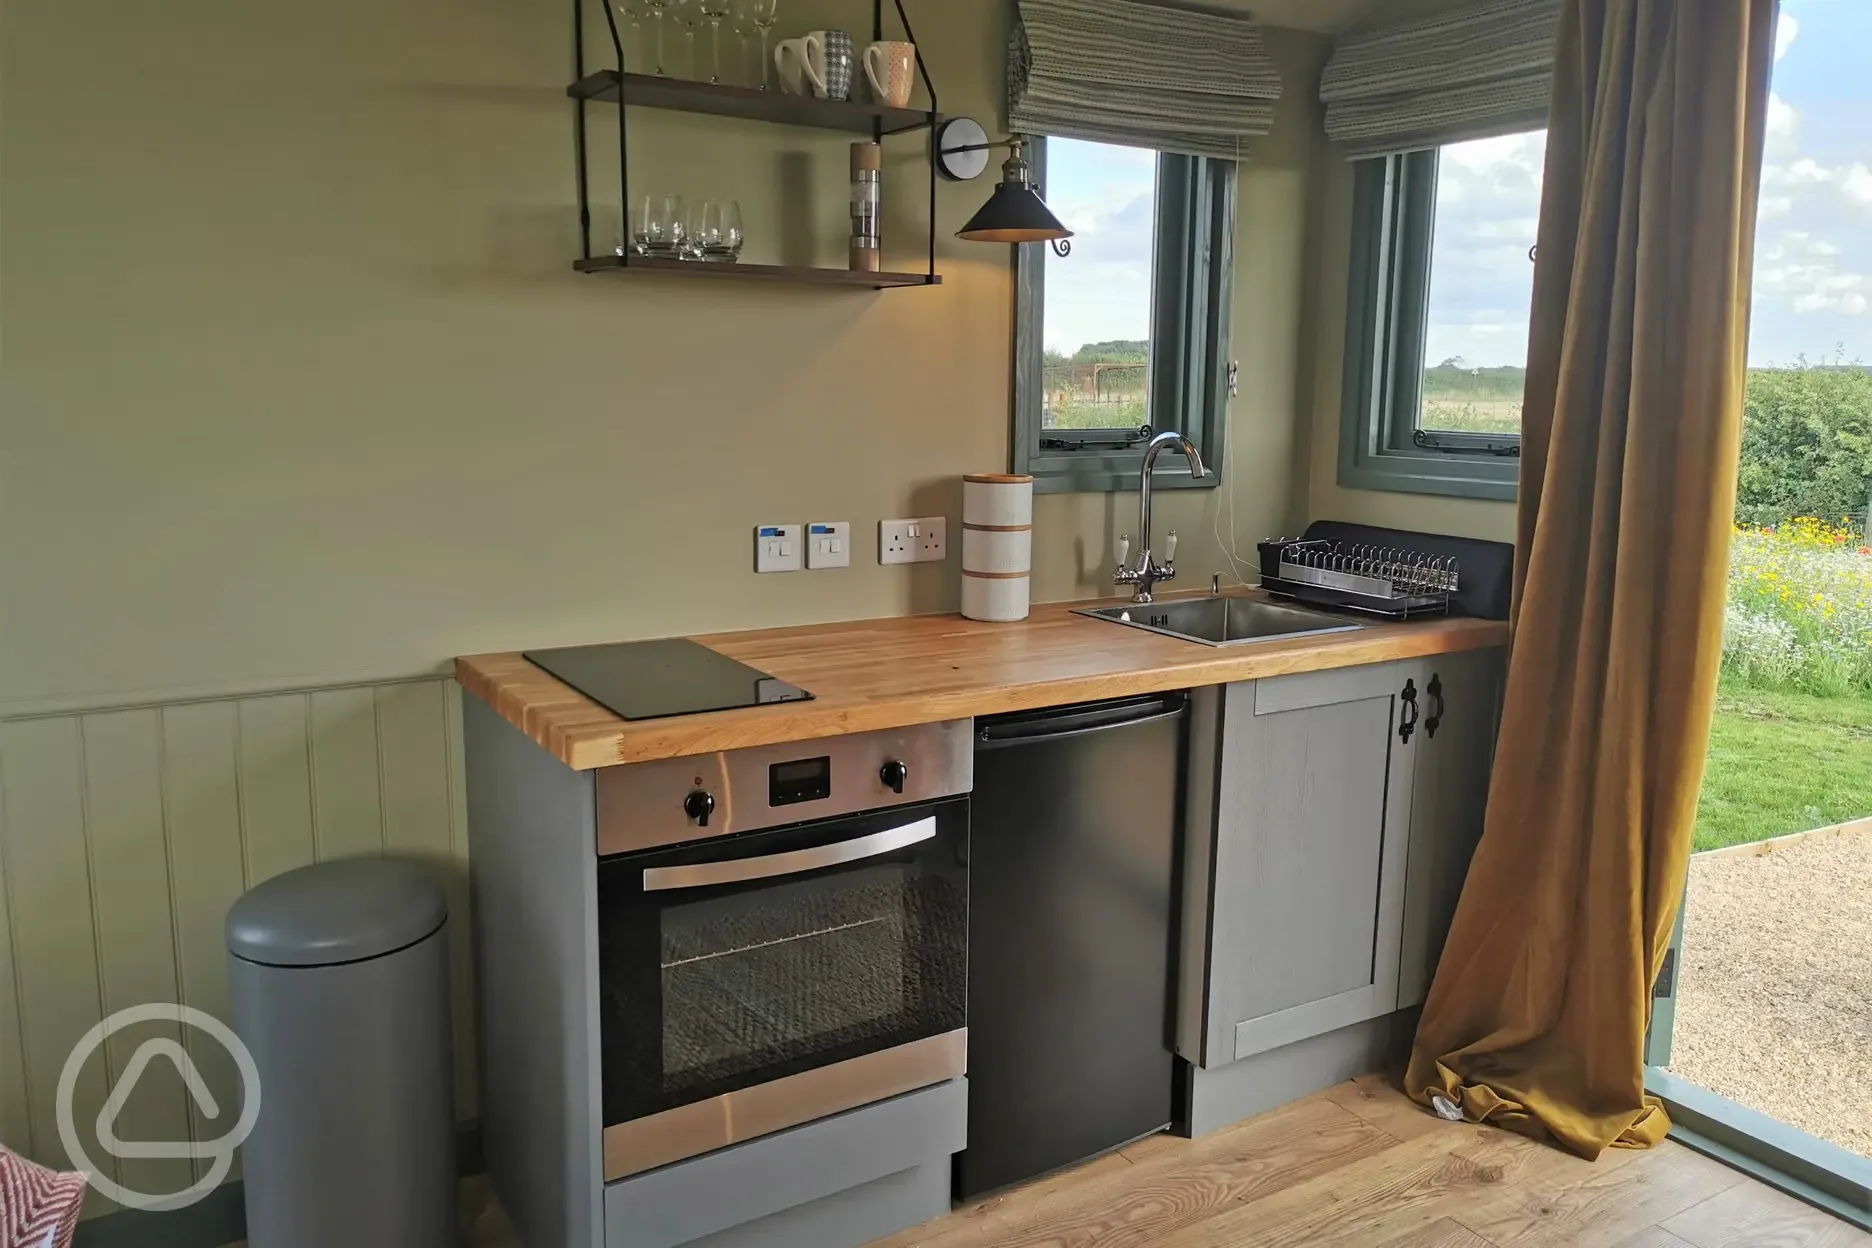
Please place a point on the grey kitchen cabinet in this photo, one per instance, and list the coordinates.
(1317, 877)
(1461, 712)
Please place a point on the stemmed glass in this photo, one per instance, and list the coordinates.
(688, 18)
(743, 23)
(714, 11)
(657, 9)
(764, 13)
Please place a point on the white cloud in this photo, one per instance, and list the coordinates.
(1773, 206)
(1783, 126)
(1786, 31)
(1856, 183)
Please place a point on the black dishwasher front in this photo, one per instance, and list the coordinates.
(1071, 943)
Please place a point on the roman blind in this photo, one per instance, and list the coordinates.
(1476, 72)
(1123, 71)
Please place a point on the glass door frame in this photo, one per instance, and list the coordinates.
(1804, 1166)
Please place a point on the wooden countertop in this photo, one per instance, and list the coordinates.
(889, 673)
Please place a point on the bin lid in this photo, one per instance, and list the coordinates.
(332, 912)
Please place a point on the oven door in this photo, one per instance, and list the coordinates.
(751, 983)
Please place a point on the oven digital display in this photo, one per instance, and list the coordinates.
(800, 780)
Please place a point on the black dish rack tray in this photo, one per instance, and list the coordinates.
(1378, 580)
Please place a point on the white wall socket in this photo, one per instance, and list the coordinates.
(924, 540)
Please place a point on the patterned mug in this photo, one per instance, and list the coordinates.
(890, 67)
(829, 63)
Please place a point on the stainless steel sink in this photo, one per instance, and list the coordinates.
(1223, 621)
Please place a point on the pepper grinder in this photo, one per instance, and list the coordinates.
(867, 164)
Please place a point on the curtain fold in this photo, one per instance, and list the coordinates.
(1476, 71)
(1631, 433)
(1144, 75)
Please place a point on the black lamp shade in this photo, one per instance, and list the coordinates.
(1013, 214)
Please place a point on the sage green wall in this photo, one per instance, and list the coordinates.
(300, 387)
(301, 399)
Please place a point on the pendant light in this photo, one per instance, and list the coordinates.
(1015, 213)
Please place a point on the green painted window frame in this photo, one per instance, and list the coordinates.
(1387, 300)
(1190, 316)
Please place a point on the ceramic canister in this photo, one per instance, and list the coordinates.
(997, 545)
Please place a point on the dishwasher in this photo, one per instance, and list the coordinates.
(1071, 943)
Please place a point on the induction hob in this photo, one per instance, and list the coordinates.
(655, 679)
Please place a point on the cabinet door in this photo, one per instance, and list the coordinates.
(1312, 794)
(1456, 748)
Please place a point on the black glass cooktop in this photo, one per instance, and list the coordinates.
(654, 679)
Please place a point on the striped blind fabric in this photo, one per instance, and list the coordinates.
(1124, 71)
(1476, 72)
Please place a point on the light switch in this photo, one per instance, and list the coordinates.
(777, 548)
(828, 544)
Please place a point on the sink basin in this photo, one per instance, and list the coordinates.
(1223, 621)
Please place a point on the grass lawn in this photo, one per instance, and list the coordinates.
(1784, 762)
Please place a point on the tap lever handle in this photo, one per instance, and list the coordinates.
(1124, 550)
(1170, 547)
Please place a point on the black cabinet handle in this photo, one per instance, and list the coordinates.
(1435, 718)
(1407, 723)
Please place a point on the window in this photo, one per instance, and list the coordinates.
(1125, 336)
(1437, 317)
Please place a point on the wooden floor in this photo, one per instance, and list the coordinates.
(1359, 1166)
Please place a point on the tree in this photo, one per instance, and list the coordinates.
(1806, 443)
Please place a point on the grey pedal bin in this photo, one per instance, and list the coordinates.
(339, 975)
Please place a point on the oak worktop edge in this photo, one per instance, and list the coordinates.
(898, 671)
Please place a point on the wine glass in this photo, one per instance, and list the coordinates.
(657, 9)
(742, 21)
(657, 226)
(687, 19)
(714, 11)
(764, 13)
(717, 235)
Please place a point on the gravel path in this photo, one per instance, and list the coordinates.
(1775, 1004)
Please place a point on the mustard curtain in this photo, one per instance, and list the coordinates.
(1631, 432)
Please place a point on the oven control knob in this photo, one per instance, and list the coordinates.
(699, 805)
(894, 774)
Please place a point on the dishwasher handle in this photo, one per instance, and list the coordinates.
(1071, 721)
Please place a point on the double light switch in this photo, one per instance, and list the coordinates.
(781, 548)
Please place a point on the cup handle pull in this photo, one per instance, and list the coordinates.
(872, 56)
(806, 62)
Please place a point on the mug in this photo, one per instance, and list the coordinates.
(789, 58)
(890, 67)
(829, 63)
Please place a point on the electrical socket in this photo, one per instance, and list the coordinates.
(923, 540)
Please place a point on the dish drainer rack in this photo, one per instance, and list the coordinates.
(1381, 580)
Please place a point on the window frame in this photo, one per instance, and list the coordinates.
(1387, 308)
(1190, 372)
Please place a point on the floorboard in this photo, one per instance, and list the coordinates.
(1359, 1166)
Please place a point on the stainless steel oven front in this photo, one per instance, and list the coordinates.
(803, 952)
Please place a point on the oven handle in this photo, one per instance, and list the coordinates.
(792, 862)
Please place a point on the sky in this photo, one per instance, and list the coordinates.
(1813, 257)
(1107, 196)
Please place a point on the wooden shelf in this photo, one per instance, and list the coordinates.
(800, 274)
(686, 96)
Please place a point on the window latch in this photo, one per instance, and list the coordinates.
(1131, 438)
(1234, 378)
(1466, 444)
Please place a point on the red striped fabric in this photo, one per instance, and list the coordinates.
(38, 1207)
